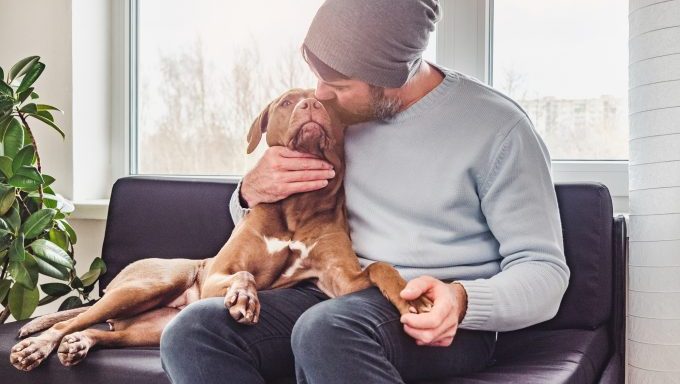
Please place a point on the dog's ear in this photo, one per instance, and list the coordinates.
(257, 129)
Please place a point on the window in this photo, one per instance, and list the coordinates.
(205, 71)
(566, 63)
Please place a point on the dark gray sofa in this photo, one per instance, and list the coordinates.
(182, 217)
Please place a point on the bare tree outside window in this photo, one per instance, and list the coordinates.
(202, 84)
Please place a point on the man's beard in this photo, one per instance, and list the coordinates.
(380, 107)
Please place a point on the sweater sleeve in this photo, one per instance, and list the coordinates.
(518, 200)
(235, 209)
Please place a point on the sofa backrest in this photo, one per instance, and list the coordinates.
(165, 217)
(189, 218)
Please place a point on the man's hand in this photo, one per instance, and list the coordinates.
(439, 326)
(282, 172)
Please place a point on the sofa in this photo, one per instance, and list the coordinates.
(176, 217)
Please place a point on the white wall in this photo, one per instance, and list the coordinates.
(79, 164)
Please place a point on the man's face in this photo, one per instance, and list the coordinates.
(356, 101)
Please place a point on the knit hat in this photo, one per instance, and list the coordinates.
(380, 42)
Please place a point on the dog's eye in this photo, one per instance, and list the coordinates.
(286, 103)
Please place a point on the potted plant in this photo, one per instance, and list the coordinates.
(35, 236)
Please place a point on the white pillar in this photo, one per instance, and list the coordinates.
(654, 271)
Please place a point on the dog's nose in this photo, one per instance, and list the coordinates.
(304, 104)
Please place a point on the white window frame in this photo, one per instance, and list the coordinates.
(464, 42)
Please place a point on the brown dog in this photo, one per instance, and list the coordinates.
(304, 236)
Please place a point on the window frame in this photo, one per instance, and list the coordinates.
(473, 56)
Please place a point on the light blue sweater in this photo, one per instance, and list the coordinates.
(458, 186)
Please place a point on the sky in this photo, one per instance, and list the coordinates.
(563, 48)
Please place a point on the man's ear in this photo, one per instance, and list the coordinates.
(257, 129)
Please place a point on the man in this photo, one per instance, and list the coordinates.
(446, 179)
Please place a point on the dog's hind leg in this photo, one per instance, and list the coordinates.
(138, 331)
(148, 284)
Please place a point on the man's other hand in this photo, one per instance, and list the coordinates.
(437, 327)
(282, 172)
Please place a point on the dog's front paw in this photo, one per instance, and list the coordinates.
(420, 305)
(243, 304)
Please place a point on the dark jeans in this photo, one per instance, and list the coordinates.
(356, 338)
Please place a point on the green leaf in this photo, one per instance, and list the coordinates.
(31, 76)
(6, 166)
(76, 282)
(29, 108)
(29, 171)
(47, 299)
(50, 270)
(51, 253)
(26, 272)
(55, 289)
(13, 138)
(98, 263)
(47, 115)
(2, 76)
(5, 242)
(22, 301)
(21, 67)
(24, 182)
(45, 107)
(4, 123)
(6, 104)
(24, 95)
(16, 250)
(6, 200)
(6, 89)
(26, 156)
(90, 277)
(4, 288)
(59, 238)
(48, 122)
(37, 222)
(70, 302)
(70, 231)
(13, 219)
(48, 180)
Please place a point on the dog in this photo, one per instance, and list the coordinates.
(302, 237)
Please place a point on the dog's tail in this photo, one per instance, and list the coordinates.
(46, 321)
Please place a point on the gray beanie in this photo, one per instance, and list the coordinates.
(380, 42)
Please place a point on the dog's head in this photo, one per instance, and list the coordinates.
(298, 121)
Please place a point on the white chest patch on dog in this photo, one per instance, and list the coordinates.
(304, 253)
(274, 245)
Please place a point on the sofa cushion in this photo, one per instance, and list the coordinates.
(567, 356)
(130, 365)
(526, 356)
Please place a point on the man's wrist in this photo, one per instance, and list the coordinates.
(461, 298)
(245, 202)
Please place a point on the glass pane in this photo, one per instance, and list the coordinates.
(206, 68)
(566, 63)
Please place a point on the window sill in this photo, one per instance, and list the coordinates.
(90, 209)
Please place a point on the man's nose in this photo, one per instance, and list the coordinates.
(323, 92)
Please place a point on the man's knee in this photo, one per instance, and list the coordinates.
(188, 325)
(333, 322)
